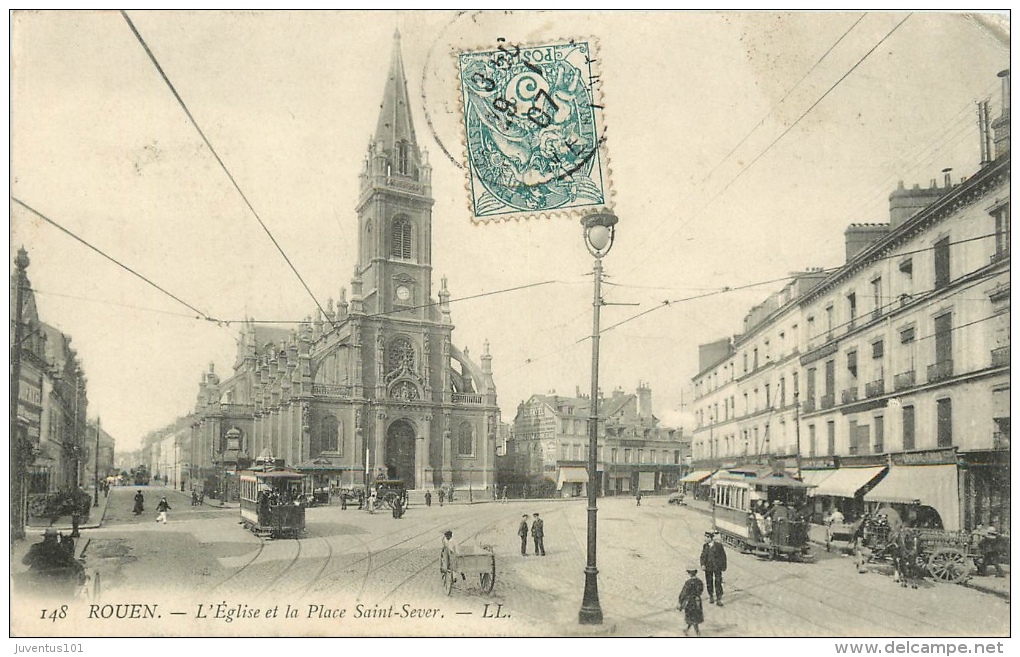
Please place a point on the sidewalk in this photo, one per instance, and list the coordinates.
(63, 523)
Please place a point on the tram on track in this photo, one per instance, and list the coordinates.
(272, 503)
(758, 511)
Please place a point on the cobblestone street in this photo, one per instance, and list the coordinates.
(384, 576)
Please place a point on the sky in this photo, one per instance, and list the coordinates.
(741, 145)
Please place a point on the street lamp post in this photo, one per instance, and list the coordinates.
(599, 231)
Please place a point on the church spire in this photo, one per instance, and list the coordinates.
(395, 123)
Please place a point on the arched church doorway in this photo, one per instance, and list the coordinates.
(400, 438)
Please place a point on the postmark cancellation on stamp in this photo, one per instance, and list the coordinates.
(534, 130)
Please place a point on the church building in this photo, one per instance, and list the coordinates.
(374, 386)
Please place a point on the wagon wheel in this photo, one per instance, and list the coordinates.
(488, 579)
(948, 565)
(448, 581)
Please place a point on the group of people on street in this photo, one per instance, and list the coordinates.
(52, 559)
(537, 534)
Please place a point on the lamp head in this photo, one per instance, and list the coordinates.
(599, 232)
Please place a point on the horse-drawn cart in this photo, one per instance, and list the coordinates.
(468, 561)
(948, 556)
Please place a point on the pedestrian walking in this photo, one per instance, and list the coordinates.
(522, 531)
(989, 547)
(638, 498)
(428, 498)
(713, 560)
(194, 498)
(538, 533)
(343, 500)
(442, 496)
(504, 499)
(689, 601)
(139, 503)
(161, 510)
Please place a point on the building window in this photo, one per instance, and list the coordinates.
(944, 429)
(1001, 215)
(615, 454)
(782, 392)
(851, 302)
(745, 362)
(768, 396)
(944, 338)
(401, 247)
(812, 440)
(641, 456)
(851, 365)
(564, 426)
(831, 437)
(626, 456)
(828, 322)
(329, 432)
(755, 365)
(942, 268)
(651, 456)
(908, 427)
(811, 374)
(879, 434)
(747, 408)
(465, 440)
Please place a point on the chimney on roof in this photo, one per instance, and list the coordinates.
(1001, 125)
(644, 400)
(905, 203)
(860, 236)
(947, 173)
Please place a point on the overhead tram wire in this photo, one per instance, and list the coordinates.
(761, 122)
(724, 290)
(789, 91)
(200, 314)
(800, 118)
(787, 131)
(194, 123)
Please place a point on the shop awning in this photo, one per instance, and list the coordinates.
(936, 486)
(845, 482)
(571, 475)
(814, 477)
(695, 477)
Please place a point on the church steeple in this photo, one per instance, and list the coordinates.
(395, 206)
(395, 124)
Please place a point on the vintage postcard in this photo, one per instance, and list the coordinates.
(510, 324)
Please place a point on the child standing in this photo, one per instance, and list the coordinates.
(690, 601)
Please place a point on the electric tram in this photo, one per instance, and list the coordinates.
(760, 511)
(272, 503)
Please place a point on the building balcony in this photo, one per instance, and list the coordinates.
(904, 380)
(940, 371)
(874, 388)
(849, 395)
(468, 398)
(809, 405)
(1000, 356)
(828, 401)
(331, 390)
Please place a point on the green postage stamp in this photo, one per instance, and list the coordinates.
(534, 130)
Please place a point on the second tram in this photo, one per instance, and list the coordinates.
(759, 511)
(271, 502)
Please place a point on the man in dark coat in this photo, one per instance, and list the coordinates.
(713, 560)
(428, 498)
(538, 533)
(522, 531)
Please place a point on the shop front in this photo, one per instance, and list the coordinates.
(923, 495)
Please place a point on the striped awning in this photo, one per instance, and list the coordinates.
(936, 486)
(846, 482)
